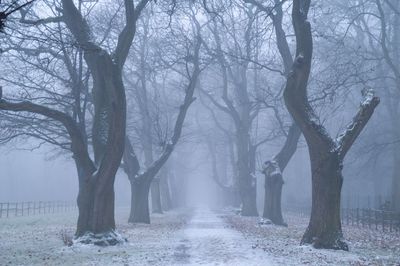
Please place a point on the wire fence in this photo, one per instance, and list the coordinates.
(17, 209)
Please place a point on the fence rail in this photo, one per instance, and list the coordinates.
(374, 219)
(16, 209)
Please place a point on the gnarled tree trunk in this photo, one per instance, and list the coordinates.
(96, 195)
(326, 154)
(274, 178)
(324, 229)
(273, 192)
(140, 212)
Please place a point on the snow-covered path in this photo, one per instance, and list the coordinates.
(208, 240)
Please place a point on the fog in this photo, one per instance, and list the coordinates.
(234, 132)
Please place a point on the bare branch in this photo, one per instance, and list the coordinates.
(353, 130)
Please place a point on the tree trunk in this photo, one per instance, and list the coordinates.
(274, 179)
(165, 193)
(156, 196)
(139, 201)
(177, 190)
(247, 182)
(248, 197)
(273, 193)
(103, 211)
(324, 229)
(85, 202)
(96, 224)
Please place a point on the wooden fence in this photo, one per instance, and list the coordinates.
(16, 209)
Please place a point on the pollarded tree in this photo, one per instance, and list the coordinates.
(326, 153)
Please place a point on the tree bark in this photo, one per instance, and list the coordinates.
(324, 229)
(156, 196)
(274, 178)
(140, 212)
(273, 192)
(246, 180)
(164, 191)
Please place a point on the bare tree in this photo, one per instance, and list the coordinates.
(233, 63)
(326, 154)
(96, 222)
(141, 181)
(273, 168)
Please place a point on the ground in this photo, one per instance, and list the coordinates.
(200, 237)
(367, 247)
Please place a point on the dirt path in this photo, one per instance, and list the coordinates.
(208, 240)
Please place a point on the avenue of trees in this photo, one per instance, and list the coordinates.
(124, 85)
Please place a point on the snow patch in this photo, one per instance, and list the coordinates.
(110, 238)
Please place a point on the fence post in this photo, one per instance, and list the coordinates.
(1, 210)
(16, 209)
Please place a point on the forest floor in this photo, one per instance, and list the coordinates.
(200, 237)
